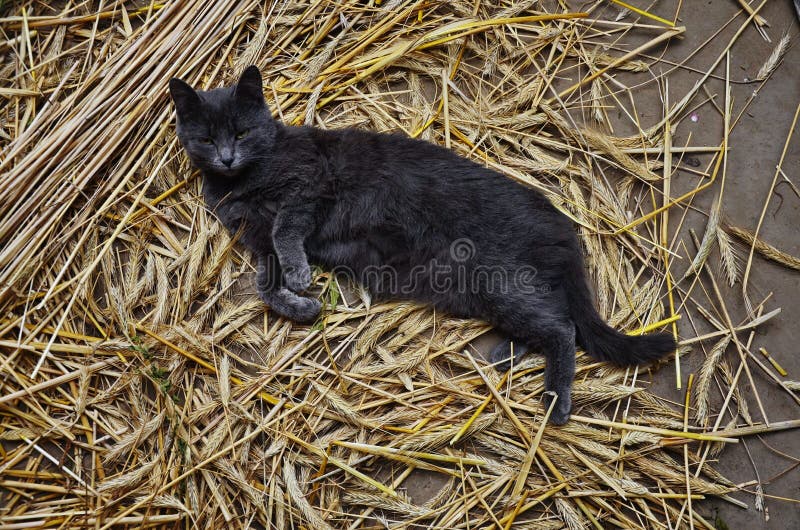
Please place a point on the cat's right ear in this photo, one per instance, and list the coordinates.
(248, 90)
(186, 99)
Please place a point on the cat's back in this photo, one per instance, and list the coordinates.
(441, 186)
(430, 196)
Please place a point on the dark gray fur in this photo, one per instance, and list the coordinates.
(360, 201)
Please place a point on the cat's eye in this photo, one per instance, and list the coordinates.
(205, 141)
(242, 134)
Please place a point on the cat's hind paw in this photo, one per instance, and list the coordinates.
(561, 410)
(501, 355)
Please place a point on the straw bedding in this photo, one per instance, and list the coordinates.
(145, 385)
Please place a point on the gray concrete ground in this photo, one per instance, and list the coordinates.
(756, 145)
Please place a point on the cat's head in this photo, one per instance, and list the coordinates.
(226, 129)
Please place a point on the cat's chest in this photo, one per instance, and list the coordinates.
(245, 213)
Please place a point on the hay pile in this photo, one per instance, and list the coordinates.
(145, 385)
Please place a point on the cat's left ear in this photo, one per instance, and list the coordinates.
(249, 88)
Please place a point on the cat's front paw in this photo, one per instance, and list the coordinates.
(289, 305)
(304, 310)
(297, 279)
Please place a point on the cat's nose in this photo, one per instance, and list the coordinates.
(227, 161)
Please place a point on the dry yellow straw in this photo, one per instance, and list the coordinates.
(644, 13)
(225, 412)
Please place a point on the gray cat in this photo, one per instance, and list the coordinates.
(408, 218)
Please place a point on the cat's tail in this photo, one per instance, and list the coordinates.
(600, 340)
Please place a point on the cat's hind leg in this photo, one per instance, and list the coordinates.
(559, 350)
(555, 339)
(541, 322)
